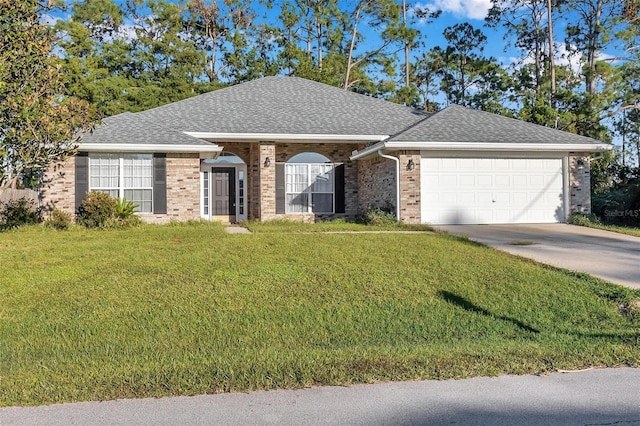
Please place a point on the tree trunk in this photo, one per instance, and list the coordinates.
(552, 60)
(354, 34)
(407, 65)
(593, 49)
(319, 28)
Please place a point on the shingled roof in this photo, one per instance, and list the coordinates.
(295, 107)
(459, 124)
(284, 105)
(130, 128)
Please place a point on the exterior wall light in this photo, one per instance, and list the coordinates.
(411, 165)
(580, 164)
(267, 162)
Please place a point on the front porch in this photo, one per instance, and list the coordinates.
(258, 180)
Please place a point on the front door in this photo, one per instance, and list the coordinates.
(223, 191)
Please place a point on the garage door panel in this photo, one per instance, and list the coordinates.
(491, 190)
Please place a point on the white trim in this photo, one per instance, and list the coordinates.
(566, 188)
(482, 146)
(397, 161)
(148, 148)
(289, 137)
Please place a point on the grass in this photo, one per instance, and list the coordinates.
(189, 309)
(287, 226)
(615, 228)
(582, 220)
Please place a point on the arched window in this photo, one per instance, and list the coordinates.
(310, 184)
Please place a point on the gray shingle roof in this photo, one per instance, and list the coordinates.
(459, 124)
(136, 129)
(284, 105)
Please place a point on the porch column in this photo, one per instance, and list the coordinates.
(267, 176)
(410, 186)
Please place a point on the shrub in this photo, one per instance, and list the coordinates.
(379, 217)
(59, 220)
(582, 219)
(125, 209)
(97, 210)
(19, 212)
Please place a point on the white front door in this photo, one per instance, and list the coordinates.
(491, 190)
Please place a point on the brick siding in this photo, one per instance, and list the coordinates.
(376, 184)
(58, 189)
(579, 183)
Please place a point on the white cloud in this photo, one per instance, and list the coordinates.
(470, 9)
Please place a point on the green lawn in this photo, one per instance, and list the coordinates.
(188, 309)
(614, 228)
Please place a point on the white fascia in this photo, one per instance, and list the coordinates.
(289, 137)
(206, 150)
(482, 146)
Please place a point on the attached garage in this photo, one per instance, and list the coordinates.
(491, 190)
(462, 166)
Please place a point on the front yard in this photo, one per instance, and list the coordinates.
(189, 309)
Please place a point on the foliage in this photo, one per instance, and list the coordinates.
(38, 123)
(189, 315)
(18, 212)
(379, 216)
(592, 221)
(59, 220)
(97, 210)
(580, 219)
(100, 210)
(125, 209)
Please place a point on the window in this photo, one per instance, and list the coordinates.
(128, 176)
(309, 185)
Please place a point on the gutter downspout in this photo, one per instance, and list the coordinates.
(397, 160)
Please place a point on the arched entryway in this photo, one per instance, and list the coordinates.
(223, 189)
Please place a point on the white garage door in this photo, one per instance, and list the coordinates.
(491, 190)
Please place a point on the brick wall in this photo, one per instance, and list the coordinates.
(58, 189)
(267, 185)
(579, 183)
(183, 188)
(410, 209)
(376, 183)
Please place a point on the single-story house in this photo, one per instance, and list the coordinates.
(286, 147)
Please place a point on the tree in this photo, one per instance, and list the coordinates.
(524, 20)
(39, 125)
(219, 23)
(376, 14)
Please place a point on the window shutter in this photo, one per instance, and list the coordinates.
(82, 177)
(280, 189)
(160, 183)
(339, 182)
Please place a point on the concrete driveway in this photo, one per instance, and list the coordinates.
(608, 255)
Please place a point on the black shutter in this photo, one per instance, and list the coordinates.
(159, 183)
(82, 177)
(339, 182)
(280, 189)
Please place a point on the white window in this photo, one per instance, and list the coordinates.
(309, 185)
(128, 176)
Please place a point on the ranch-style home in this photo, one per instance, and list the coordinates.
(286, 147)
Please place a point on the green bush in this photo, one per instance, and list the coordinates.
(59, 220)
(97, 210)
(19, 212)
(379, 217)
(583, 219)
(125, 209)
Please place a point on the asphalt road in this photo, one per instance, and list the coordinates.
(608, 255)
(593, 397)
